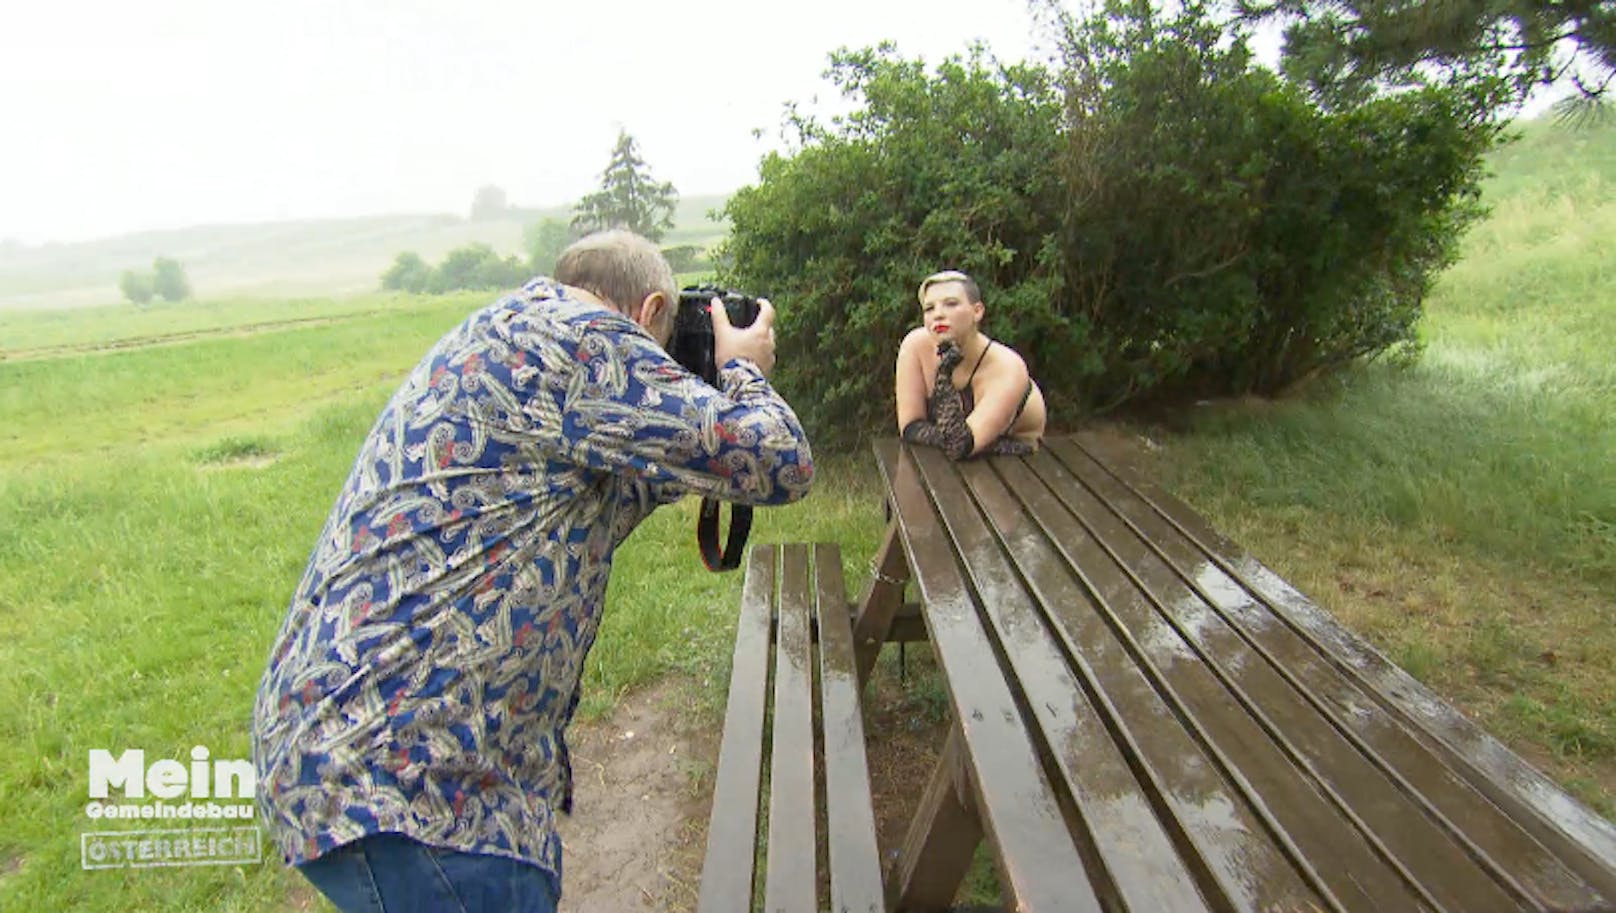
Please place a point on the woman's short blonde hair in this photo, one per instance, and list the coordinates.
(972, 293)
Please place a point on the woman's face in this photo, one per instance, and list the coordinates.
(947, 315)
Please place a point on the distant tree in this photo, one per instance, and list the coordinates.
(502, 273)
(489, 203)
(628, 197)
(544, 242)
(169, 281)
(1497, 50)
(137, 287)
(409, 273)
(686, 258)
(477, 266)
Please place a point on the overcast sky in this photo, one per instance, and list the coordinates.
(120, 116)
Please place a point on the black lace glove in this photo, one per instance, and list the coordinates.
(946, 430)
(1008, 446)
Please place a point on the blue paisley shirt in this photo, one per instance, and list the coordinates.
(430, 658)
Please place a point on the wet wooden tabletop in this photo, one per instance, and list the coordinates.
(1152, 720)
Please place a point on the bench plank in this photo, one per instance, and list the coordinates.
(790, 882)
(1039, 863)
(727, 872)
(1496, 844)
(855, 871)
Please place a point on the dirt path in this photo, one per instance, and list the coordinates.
(637, 809)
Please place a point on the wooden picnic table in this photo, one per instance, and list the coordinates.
(1147, 719)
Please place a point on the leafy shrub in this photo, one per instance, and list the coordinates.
(686, 258)
(474, 266)
(409, 273)
(952, 171)
(1152, 218)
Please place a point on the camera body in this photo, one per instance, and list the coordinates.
(692, 342)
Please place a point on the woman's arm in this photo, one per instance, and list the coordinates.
(944, 426)
(999, 392)
(911, 379)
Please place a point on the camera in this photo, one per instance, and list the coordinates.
(692, 346)
(692, 342)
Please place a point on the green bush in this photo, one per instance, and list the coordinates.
(1227, 236)
(1153, 218)
(137, 287)
(945, 171)
(169, 281)
(474, 266)
(686, 258)
(409, 273)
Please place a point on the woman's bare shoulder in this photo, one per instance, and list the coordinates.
(1007, 361)
(918, 340)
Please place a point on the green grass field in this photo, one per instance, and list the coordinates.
(157, 503)
(163, 474)
(1461, 513)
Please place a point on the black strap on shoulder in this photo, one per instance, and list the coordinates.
(740, 526)
(979, 359)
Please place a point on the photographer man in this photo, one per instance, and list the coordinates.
(409, 730)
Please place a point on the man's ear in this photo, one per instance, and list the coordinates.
(654, 310)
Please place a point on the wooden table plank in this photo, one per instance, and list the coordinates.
(1210, 818)
(1317, 835)
(1040, 866)
(1581, 838)
(1424, 855)
(791, 885)
(727, 873)
(1132, 850)
(1495, 841)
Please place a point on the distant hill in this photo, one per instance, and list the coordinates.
(1554, 158)
(321, 257)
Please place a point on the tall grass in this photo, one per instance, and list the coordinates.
(1462, 511)
(156, 507)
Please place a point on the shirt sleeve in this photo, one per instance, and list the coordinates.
(604, 395)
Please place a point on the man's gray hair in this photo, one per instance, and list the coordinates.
(619, 266)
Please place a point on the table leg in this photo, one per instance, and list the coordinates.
(941, 840)
(880, 602)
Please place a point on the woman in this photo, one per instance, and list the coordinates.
(959, 390)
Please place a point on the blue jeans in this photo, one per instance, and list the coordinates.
(390, 873)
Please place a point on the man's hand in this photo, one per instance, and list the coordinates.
(754, 343)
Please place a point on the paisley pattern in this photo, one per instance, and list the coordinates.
(429, 661)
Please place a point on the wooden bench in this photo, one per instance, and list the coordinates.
(1147, 719)
(789, 606)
